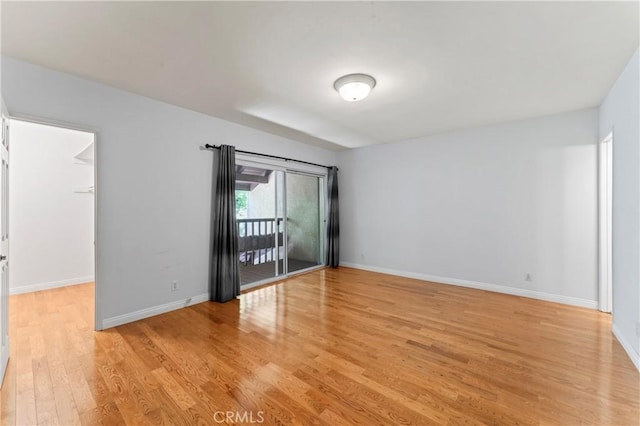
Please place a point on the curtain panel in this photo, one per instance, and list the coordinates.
(225, 274)
(333, 223)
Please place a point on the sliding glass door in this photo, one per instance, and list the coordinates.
(304, 212)
(271, 243)
(260, 223)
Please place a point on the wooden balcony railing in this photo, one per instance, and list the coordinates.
(257, 240)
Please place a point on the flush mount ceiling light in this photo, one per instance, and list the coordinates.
(354, 87)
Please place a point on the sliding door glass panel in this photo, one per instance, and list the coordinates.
(259, 217)
(304, 237)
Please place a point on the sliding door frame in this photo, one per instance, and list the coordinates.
(322, 184)
(302, 169)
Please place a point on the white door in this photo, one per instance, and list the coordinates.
(4, 245)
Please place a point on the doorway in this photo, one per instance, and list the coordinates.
(605, 223)
(51, 207)
(280, 215)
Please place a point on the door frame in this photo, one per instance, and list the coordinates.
(287, 167)
(605, 223)
(5, 346)
(95, 131)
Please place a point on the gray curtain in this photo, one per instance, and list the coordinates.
(225, 276)
(333, 223)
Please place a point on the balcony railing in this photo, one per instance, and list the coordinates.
(257, 240)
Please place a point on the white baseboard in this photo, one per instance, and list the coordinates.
(153, 311)
(635, 356)
(47, 286)
(549, 297)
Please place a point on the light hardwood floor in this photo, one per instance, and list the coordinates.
(329, 347)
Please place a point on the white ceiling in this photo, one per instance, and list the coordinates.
(271, 65)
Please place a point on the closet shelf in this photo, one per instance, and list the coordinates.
(85, 156)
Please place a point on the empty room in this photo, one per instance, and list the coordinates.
(341, 213)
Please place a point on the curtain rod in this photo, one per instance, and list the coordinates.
(208, 146)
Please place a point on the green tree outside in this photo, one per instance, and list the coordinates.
(241, 204)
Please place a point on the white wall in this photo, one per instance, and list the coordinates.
(51, 227)
(153, 184)
(620, 112)
(480, 207)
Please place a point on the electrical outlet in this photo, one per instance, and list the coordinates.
(174, 285)
(528, 276)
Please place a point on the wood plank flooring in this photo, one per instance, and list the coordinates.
(335, 347)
